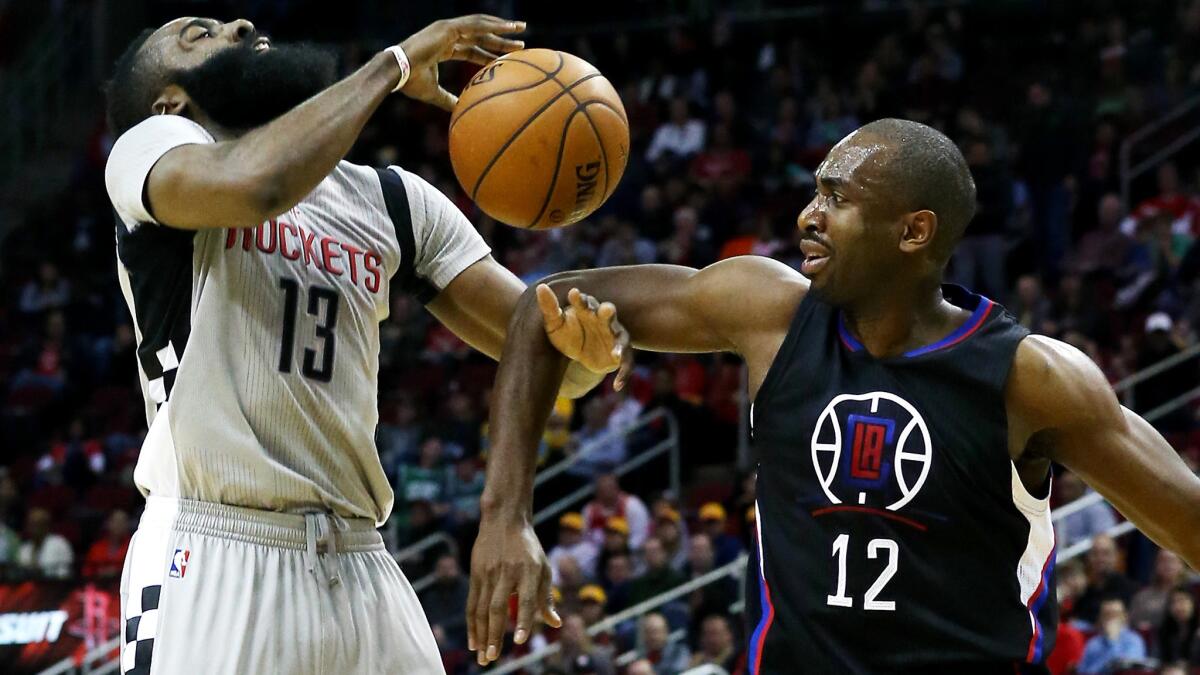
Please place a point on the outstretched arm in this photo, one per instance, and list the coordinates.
(739, 305)
(267, 171)
(1063, 402)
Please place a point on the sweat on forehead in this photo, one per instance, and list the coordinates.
(861, 157)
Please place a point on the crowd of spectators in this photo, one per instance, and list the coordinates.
(728, 121)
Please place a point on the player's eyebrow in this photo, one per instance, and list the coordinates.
(832, 182)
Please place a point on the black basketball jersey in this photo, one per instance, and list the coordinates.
(894, 534)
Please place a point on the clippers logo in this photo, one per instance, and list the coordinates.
(871, 449)
(179, 563)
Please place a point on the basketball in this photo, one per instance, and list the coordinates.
(539, 139)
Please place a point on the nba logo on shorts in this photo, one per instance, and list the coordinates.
(179, 563)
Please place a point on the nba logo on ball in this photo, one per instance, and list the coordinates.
(179, 563)
(871, 449)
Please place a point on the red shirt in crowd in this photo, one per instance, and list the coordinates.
(104, 559)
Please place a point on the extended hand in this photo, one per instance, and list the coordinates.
(507, 559)
(474, 38)
(587, 331)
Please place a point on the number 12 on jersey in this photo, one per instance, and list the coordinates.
(326, 323)
(874, 548)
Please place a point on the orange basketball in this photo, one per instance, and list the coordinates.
(539, 139)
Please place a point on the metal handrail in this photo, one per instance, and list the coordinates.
(1128, 173)
(1156, 368)
(732, 569)
(427, 542)
(607, 436)
(1177, 402)
(1084, 545)
(85, 665)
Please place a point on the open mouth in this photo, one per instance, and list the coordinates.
(262, 44)
(815, 257)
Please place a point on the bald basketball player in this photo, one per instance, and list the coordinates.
(904, 431)
(257, 266)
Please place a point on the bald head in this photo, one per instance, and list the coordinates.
(920, 168)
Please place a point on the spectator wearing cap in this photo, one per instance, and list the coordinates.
(657, 574)
(572, 544)
(44, 553)
(668, 527)
(106, 558)
(1160, 343)
(612, 501)
(656, 647)
(592, 603)
(571, 580)
(726, 546)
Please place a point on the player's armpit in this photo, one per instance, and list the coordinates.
(1061, 402)
(726, 306)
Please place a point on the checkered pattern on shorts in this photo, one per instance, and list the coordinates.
(140, 629)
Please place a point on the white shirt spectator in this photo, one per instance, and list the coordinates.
(632, 509)
(1084, 524)
(53, 558)
(683, 140)
(585, 554)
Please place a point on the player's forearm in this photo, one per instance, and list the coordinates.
(525, 389)
(293, 153)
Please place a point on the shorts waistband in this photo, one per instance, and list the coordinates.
(266, 528)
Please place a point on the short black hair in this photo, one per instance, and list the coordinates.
(131, 90)
(929, 172)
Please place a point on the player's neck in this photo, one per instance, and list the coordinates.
(896, 322)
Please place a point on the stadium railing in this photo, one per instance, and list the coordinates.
(1167, 135)
(735, 569)
(96, 661)
(668, 446)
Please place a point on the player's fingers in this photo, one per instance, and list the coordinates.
(444, 99)
(626, 357)
(528, 600)
(497, 617)
(577, 300)
(473, 54)
(477, 598)
(593, 304)
(484, 23)
(472, 596)
(606, 312)
(498, 44)
(552, 314)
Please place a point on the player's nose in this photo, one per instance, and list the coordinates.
(810, 218)
(239, 30)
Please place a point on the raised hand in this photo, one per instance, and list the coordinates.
(475, 38)
(587, 331)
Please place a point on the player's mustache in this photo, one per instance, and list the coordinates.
(817, 239)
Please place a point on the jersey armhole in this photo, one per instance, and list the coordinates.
(395, 199)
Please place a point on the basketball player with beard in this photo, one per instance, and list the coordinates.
(256, 264)
(904, 431)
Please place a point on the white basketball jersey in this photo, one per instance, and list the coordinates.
(259, 348)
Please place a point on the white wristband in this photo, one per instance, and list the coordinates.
(402, 61)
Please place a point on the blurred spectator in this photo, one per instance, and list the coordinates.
(10, 545)
(44, 553)
(1160, 343)
(1072, 584)
(726, 546)
(980, 256)
(668, 529)
(612, 501)
(1177, 638)
(680, 137)
(464, 487)
(618, 578)
(1149, 605)
(1114, 642)
(47, 361)
(655, 646)
(604, 449)
(1082, 524)
(424, 481)
(399, 435)
(1068, 650)
(579, 656)
(1104, 581)
(592, 604)
(445, 603)
(572, 544)
(716, 644)
(640, 667)
(1030, 306)
(657, 575)
(721, 163)
(1106, 248)
(49, 291)
(712, 598)
(106, 558)
(1182, 210)
(571, 581)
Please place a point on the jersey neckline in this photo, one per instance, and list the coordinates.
(955, 295)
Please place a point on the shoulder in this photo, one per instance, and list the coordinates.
(1053, 383)
(754, 279)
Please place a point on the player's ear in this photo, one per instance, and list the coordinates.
(919, 230)
(172, 101)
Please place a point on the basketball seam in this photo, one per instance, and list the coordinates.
(562, 142)
(546, 77)
(581, 106)
(521, 129)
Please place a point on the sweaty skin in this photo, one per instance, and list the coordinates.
(1060, 406)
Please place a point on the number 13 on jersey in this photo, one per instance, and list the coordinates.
(876, 548)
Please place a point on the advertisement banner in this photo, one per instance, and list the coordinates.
(43, 622)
